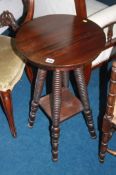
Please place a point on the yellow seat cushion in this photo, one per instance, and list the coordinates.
(11, 65)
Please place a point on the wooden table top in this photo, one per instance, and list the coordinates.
(60, 41)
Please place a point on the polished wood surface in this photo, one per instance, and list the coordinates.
(62, 38)
(29, 9)
(80, 7)
(70, 105)
(6, 99)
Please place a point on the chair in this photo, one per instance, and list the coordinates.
(109, 120)
(11, 65)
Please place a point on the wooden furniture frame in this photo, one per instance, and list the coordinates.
(109, 120)
(7, 19)
(59, 43)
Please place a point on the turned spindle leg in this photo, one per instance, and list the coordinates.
(107, 127)
(106, 136)
(56, 108)
(41, 75)
(80, 80)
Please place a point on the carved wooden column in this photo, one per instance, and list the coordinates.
(56, 108)
(80, 80)
(41, 75)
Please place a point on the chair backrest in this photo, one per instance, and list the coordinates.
(80, 7)
(29, 7)
(18, 9)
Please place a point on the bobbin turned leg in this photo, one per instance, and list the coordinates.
(56, 108)
(80, 80)
(41, 75)
(106, 135)
(107, 128)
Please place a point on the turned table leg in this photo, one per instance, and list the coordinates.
(80, 80)
(41, 75)
(56, 108)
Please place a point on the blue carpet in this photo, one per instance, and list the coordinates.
(30, 152)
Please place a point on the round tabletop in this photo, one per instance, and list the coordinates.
(60, 41)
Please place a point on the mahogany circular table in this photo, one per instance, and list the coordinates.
(60, 43)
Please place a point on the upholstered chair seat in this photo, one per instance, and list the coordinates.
(10, 74)
(11, 63)
(11, 70)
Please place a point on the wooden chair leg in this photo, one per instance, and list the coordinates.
(108, 118)
(106, 136)
(7, 104)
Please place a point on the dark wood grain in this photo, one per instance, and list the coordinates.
(63, 38)
(80, 7)
(71, 105)
(29, 8)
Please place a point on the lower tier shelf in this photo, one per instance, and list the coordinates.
(70, 105)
